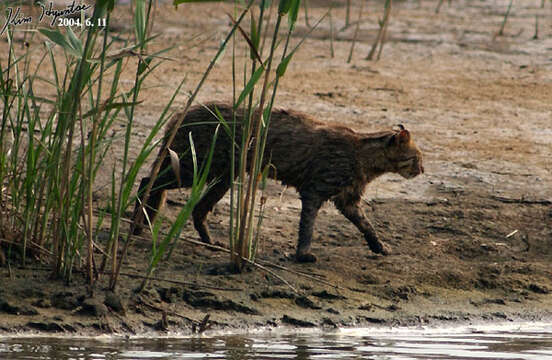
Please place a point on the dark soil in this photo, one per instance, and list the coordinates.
(471, 238)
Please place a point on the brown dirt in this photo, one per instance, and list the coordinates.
(479, 108)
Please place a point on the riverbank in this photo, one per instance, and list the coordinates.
(165, 309)
(471, 238)
(348, 286)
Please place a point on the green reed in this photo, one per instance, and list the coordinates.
(55, 142)
(257, 99)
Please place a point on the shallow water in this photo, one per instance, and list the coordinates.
(519, 341)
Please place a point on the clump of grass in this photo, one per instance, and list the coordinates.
(198, 189)
(244, 231)
(48, 171)
(257, 101)
(59, 142)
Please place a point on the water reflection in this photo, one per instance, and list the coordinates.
(528, 341)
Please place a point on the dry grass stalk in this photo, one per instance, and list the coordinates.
(332, 34)
(380, 38)
(501, 31)
(355, 36)
(306, 6)
(348, 13)
(536, 35)
(438, 8)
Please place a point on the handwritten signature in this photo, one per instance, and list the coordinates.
(18, 18)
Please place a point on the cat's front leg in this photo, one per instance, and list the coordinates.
(352, 211)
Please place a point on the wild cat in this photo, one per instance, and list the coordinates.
(321, 161)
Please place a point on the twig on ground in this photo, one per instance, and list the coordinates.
(266, 263)
(259, 264)
(216, 247)
(526, 241)
(187, 283)
(308, 276)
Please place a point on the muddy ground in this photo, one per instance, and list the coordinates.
(471, 238)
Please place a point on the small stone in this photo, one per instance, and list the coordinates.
(328, 296)
(45, 326)
(278, 294)
(500, 315)
(170, 295)
(64, 301)
(297, 322)
(114, 301)
(13, 309)
(42, 303)
(306, 303)
(327, 322)
(94, 307)
(538, 289)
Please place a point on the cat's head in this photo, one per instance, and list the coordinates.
(404, 156)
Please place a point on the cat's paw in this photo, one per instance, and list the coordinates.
(379, 247)
(305, 258)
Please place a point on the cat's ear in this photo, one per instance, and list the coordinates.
(404, 136)
(400, 138)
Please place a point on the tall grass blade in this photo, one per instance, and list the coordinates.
(293, 13)
(199, 188)
(170, 138)
(249, 86)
